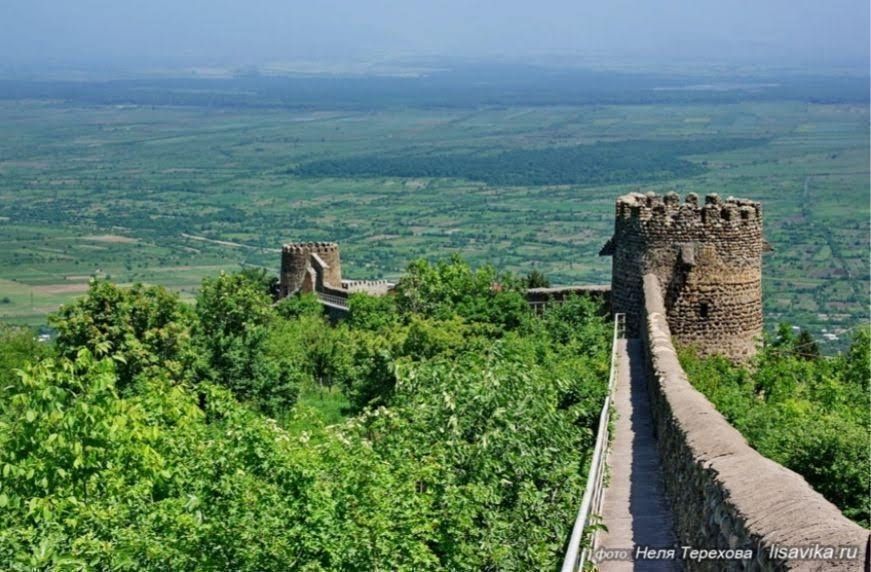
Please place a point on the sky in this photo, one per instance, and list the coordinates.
(813, 33)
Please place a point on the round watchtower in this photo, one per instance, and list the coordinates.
(305, 264)
(709, 262)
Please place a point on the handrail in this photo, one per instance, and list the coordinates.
(592, 499)
(538, 306)
(332, 299)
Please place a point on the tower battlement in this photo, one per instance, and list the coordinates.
(708, 258)
(308, 247)
(667, 209)
(306, 264)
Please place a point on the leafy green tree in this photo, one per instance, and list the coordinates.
(18, 346)
(801, 345)
(367, 372)
(267, 281)
(442, 289)
(96, 480)
(464, 453)
(426, 339)
(783, 339)
(536, 279)
(507, 310)
(144, 328)
(234, 315)
(578, 319)
(372, 312)
(856, 363)
(298, 306)
(501, 452)
(806, 347)
(452, 288)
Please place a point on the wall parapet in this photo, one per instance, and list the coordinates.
(724, 493)
(665, 209)
(708, 259)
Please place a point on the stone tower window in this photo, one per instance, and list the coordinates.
(704, 310)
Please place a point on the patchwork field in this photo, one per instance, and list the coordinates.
(168, 195)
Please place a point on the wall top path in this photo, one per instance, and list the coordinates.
(745, 499)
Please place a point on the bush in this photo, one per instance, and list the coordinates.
(146, 329)
(451, 288)
(368, 375)
(536, 279)
(473, 423)
(373, 313)
(17, 347)
(304, 305)
(95, 480)
(808, 413)
(234, 317)
(500, 454)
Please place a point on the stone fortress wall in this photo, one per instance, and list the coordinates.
(315, 267)
(693, 272)
(301, 262)
(372, 287)
(723, 493)
(708, 258)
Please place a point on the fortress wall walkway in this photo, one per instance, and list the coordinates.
(723, 493)
(634, 506)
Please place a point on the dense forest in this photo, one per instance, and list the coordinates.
(443, 84)
(446, 427)
(806, 411)
(597, 164)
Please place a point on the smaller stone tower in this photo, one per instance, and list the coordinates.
(709, 262)
(304, 264)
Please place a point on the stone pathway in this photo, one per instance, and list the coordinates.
(634, 506)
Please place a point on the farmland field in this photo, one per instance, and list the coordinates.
(167, 195)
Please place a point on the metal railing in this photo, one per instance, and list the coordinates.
(591, 503)
(333, 300)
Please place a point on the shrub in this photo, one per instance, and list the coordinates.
(146, 329)
(234, 316)
(808, 413)
(304, 305)
(371, 312)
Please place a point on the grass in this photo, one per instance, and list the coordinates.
(157, 181)
(317, 408)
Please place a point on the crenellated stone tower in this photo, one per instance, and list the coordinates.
(709, 262)
(303, 264)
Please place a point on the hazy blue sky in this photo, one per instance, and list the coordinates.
(793, 32)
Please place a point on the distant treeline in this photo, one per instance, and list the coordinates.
(461, 86)
(597, 164)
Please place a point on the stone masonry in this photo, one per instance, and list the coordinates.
(708, 259)
(315, 267)
(304, 264)
(724, 494)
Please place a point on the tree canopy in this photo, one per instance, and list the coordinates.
(155, 435)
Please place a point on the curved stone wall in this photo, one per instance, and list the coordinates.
(296, 258)
(709, 260)
(725, 494)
